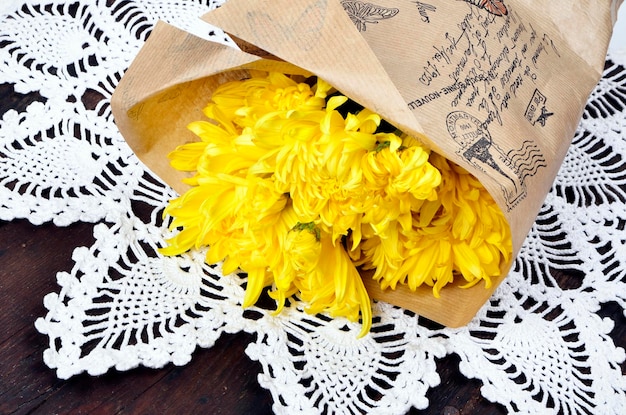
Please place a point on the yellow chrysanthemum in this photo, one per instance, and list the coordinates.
(298, 193)
(461, 232)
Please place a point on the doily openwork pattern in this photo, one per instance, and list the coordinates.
(540, 345)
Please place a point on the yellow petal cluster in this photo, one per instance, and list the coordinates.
(298, 192)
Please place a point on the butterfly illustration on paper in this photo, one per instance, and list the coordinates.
(496, 7)
(361, 12)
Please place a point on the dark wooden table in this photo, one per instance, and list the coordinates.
(219, 380)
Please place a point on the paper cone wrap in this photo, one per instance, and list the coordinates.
(497, 87)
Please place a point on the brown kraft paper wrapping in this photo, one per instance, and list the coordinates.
(496, 86)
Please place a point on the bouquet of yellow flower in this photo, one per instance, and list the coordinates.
(298, 193)
(351, 150)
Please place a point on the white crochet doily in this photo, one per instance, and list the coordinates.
(537, 347)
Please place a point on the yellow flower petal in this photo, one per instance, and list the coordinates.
(297, 195)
